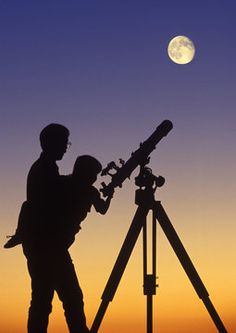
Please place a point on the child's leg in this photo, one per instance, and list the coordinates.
(17, 237)
(13, 241)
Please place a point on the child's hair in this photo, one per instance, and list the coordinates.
(87, 164)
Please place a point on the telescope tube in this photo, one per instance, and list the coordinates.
(138, 157)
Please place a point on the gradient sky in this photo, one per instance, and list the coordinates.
(101, 68)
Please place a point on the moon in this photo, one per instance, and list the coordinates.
(181, 50)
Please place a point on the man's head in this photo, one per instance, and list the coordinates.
(54, 140)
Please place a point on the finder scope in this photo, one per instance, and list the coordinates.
(139, 157)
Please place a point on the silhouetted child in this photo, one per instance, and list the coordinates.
(79, 197)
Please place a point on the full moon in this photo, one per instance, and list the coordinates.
(181, 50)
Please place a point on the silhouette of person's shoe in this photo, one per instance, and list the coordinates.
(13, 241)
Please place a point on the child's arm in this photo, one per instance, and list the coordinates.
(101, 206)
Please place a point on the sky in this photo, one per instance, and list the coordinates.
(101, 68)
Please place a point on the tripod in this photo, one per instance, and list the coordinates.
(146, 202)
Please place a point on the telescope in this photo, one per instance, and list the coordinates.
(138, 158)
(145, 200)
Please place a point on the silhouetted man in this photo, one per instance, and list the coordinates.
(44, 244)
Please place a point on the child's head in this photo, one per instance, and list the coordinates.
(86, 169)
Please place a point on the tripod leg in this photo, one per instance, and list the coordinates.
(187, 264)
(149, 313)
(120, 264)
(149, 280)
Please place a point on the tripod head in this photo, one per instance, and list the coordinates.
(146, 179)
(138, 158)
(147, 183)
